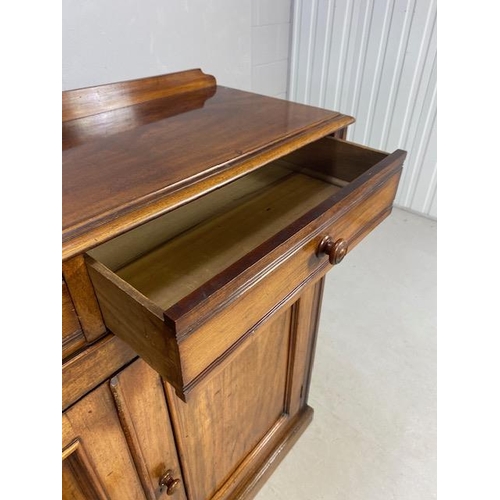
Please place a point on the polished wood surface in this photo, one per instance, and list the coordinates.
(94, 425)
(79, 479)
(340, 133)
(72, 334)
(124, 249)
(203, 350)
(83, 298)
(118, 443)
(234, 410)
(89, 101)
(116, 121)
(208, 298)
(93, 366)
(139, 322)
(336, 250)
(253, 410)
(332, 158)
(233, 393)
(198, 225)
(111, 184)
(142, 408)
(259, 470)
(172, 271)
(254, 470)
(179, 341)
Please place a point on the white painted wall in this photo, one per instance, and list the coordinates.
(112, 40)
(271, 37)
(375, 60)
(243, 43)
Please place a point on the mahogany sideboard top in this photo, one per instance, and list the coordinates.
(159, 145)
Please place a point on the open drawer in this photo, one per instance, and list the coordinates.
(188, 288)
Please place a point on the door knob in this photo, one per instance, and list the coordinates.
(167, 481)
(336, 251)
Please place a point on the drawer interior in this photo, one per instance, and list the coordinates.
(170, 257)
(333, 160)
(183, 263)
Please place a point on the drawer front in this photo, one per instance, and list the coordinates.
(79, 288)
(281, 284)
(72, 334)
(185, 341)
(92, 366)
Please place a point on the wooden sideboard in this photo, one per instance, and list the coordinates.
(198, 224)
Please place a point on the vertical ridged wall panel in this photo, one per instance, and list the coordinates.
(375, 60)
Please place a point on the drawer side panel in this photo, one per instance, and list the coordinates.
(127, 315)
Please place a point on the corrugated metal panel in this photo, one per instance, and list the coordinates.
(375, 60)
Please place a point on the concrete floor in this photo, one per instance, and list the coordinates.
(374, 381)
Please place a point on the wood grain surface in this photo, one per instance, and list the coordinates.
(91, 367)
(81, 103)
(113, 183)
(72, 334)
(83, 298)
(234, 410)
(192, 221)
(93, 421)
(183, 264)
(142, 408)
(199, 329)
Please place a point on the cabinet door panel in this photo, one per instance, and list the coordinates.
(93, 423)
(246, 402)
(143, 412)
(232, 411)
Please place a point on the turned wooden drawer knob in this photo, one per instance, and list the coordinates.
(336, 251)
(167, 481)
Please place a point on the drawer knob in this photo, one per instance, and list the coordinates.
(168, 481)
(336, 251)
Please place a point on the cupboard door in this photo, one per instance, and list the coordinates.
(143, 412)
(96, 460)
(118, 442)
(237, 415)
